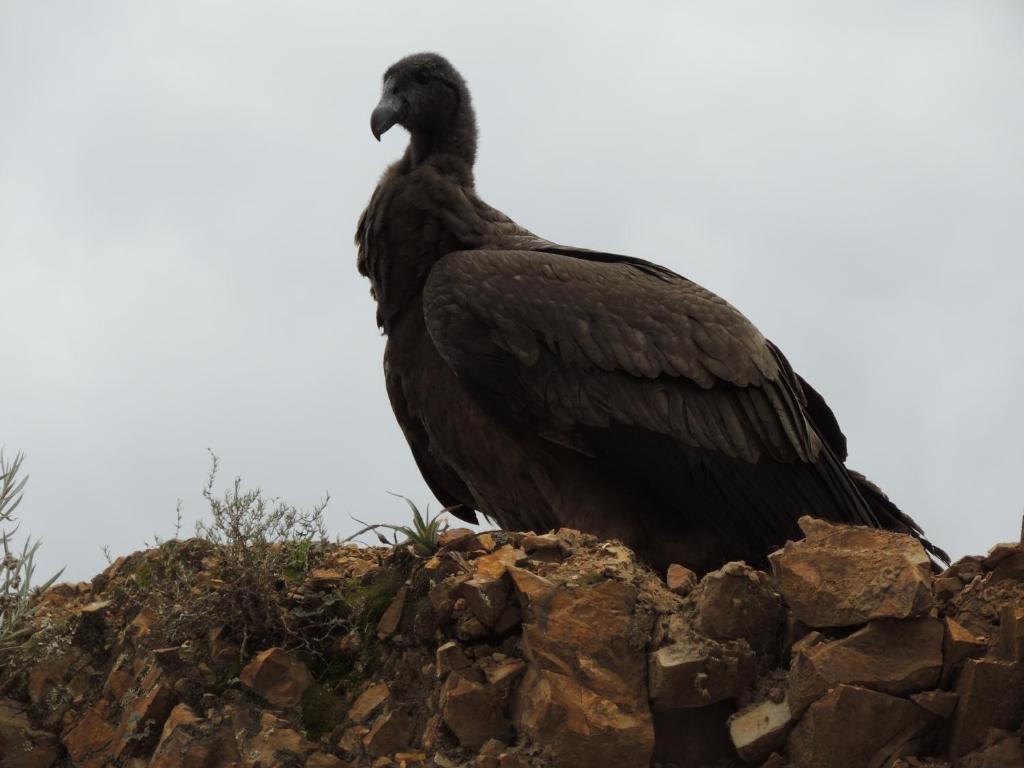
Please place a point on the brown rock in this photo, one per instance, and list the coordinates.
(584, 692)
(891, 656)
(939, 703)
(448, 658)
(494, 565)
(454, 539)
(392, 617)
(277, 676)
(694, 737)
(21, 745)
(547, 547)
(1011, 633)
(183, 744)
(760, 729)
(958, 645)
(389, 734)
(351, 739)
(485, 597)
(999, 750)
(276, 744)
(530, 589)
(504, 673)
(736, 602)
(48, 674)
(844, 575)
(472, 711)
(856, 728)
(326, 578)
(1005, 561)
(369, 702)
(142, 721)
(90, 742)
(680, 579)
(325, 760)
(692, 674)
(991, 696)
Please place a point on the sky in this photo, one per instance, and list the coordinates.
(180, 182)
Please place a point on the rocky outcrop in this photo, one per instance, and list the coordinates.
(509, 650)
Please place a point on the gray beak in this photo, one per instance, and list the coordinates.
(386, 114)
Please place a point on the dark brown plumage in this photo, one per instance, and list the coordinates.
(549, 386)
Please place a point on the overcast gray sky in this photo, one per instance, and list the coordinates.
(179, 185)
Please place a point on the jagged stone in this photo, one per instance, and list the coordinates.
(760, 729)
(21, 745)
(548, 547)
(1011, 633)
(390, 733)
(472, 711)
(325, 760)
(369, 702)
(991, 696)
(183, 744)
(845, 575)
(939, 703)
(392, 616)
(495, 564)
(693, 674)
(277, 676)
(448, 658)
(694, 737)
(1005, 561)
(143, 719)
(736, 602)
(680, 579)
(855, 727)
(486, 597)
(887, 655)
(275, 744)
(958, 645)
(998, 750)
(90, 742)
(584, 692)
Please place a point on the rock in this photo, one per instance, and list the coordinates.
(277, 676)
(351, 739)
(760, 729)
(485, 596)
(448, 658)
(855, 728)
(846, 575)
(369, 702)
(999, 750)
(275, 744)
(736, 602)
(494, 565)
(391, 732)
(991, 696)
(325, 760)
(185, 744)
(939, 703)
(472, 711)
(584, 692)
(958, 645)
(326, 578)
(1011, 633)
(392, 617)
(1005, 561)
(891, 656)
(90, 742)
(692, 674)
(21, 745)
(142, 721)
(545, 548)
(680, 579)
(694, 737)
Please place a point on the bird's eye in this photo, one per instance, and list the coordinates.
(422, 77)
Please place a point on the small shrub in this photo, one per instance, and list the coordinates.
(17, 568)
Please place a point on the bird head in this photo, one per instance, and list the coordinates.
(424, 94)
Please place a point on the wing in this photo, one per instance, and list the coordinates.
(631, 362)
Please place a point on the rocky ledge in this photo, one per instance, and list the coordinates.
(506, 650)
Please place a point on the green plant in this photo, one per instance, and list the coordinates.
(422, 536)
(17, 569)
